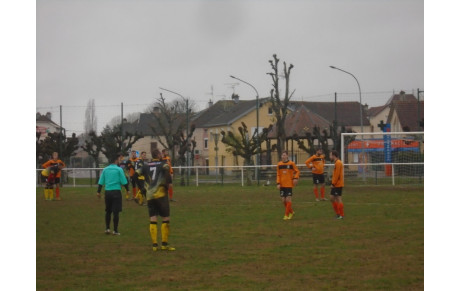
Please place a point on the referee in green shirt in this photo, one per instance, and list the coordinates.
(112, 178)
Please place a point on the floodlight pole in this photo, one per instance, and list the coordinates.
(257, 127)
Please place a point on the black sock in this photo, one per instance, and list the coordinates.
(107, 220)
(115, 221)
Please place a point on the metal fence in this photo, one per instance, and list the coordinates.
(375, 174)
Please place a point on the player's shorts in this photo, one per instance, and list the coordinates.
(318, 178)
(336, 191)
(113, 201)
(50, 181)
(133, 179)
(285, 192)
(159, 206)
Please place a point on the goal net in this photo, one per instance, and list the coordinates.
(383, 158)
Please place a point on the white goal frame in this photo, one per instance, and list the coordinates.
(382, 134)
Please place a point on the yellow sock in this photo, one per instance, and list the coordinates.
(141, 197)
(164, 231)
(153, 232)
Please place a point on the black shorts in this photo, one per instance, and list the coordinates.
(51, 182)
(318, 178)
(336, 191)
(285, 192)
(133, 179)
(159, 206)
(113, 201)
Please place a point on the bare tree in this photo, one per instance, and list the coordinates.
(90, 117)
(280, 103)
(171, 125)
(244, 145)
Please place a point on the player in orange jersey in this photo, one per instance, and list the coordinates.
(287, 176)
(57, 179)
(131, 170)
(316, 164)
(165, 154)
(337, 184)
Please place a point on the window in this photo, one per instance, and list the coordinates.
(206, 143)
(270, 111)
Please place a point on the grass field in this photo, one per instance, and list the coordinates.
(234, 238)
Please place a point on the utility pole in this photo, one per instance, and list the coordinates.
(122, 130)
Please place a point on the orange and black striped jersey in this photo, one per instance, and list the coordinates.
(337, 176)
(285, 173)
(52, 163)
(316, 162)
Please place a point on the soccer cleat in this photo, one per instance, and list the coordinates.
(285, 217)
(323, 199)
(291, 215)
(339, 217)
(107, 231)
(155, 247)
(167, 248)
(116, 233)
(317, 199)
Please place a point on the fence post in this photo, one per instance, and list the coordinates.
(242, 177)
(196, 174)
(393, 173)
(74, 178)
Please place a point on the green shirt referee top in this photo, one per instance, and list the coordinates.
(113, 177)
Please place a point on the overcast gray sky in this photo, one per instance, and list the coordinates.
(123, 50)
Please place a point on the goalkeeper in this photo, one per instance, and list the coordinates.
(157, 180)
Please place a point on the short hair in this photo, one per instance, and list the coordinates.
(156, 153)
(143, 153)
(115, 157)
(285, 151)
(335, 153)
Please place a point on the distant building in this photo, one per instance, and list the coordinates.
(45, 125)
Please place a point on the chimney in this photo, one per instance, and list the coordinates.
(235, 98)
(402, 95)
(210, 103)
(48, 115)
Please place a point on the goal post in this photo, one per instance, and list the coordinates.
(383, 157)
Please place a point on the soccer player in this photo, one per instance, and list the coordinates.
(157, 180)
(337, 184)
(113, 178)
(316, 164)
(130, 165)
(57, 179)
(140, 179)
(50, 174)
(287, 176)
(165, 153)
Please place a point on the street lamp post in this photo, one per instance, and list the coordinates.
(360, 110)
(186, 141)
(359, 88)
(257, 127)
